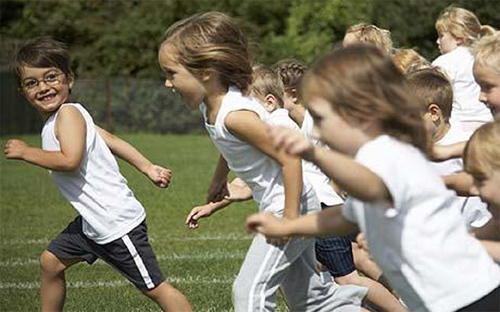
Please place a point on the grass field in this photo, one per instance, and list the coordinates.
(201, 263)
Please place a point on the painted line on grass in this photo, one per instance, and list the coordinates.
(22, 262)
(221, 237)
(120, 283)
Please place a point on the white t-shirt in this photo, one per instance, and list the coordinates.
(466, 105)
(261, 173)
(474, 211)
(420, 242)
(97, 190)
(318, 179)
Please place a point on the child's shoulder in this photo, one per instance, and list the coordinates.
(451, 58)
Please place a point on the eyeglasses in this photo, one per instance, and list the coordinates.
(50, 79)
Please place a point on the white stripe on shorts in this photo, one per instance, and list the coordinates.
(138, 261)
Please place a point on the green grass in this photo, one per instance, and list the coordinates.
(201, 263)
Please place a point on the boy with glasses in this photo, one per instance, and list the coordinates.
(111, 223)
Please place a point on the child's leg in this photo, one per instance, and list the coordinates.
(67, 249)
(336, 254)
(169, 298)
(132, 255)
(305, 291)
(53, 283)
(378, 295)
(292, 266)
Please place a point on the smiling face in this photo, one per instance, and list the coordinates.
(179, 78)
(45, 88)
(487, 186)
(489, 81)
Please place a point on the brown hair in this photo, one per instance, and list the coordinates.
(371, 34)
(430, 86)
(265, 81)
(409, 60)
(41, 52)
(482, 152)
(461, 24)
(290, 72)
(487, 52)
(213, 41)
(363, 84)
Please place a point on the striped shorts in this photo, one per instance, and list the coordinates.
(131, 255)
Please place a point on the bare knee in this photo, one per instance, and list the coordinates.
(51, 265)
(349, 279)
(162, 290)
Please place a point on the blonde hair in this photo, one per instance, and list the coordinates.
(265, 81)
(482, 152)
(461, 24)
(213, 41)
(362, 84)
(430, 86)
(371, 34)
(487, 52)
(409, 60)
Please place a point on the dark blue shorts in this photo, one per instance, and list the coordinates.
(489, 303)
(335, 253)
(131, 255)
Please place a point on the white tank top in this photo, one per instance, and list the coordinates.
(261, 173)
(96, 189)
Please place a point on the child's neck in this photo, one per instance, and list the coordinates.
(297, 115)
(213, 102)
(441, 131)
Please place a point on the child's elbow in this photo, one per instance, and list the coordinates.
(70, 165)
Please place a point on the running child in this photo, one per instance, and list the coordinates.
(434, 92)
(111, 224)
(207, 61)
(457, 30)
(336, 252)
(364, 112)
(482, 161)
(486, 71)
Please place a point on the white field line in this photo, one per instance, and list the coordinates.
(46, 240)
(21, 262)
(119, 283)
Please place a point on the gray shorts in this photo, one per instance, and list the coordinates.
(131, 255)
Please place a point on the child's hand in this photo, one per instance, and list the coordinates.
(197, 213)
(238, 191)
(160, 176)
(292, 142)
(274, 228)
(14, 149)
(217, 191)
(361, 241)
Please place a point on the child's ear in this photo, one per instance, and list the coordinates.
(293, 95)
(71, 81)
(206, 74)
(435, 112)
(270, 102)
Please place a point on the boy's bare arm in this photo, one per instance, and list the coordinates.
(238, 191)
(327, 222)
(71, 132)
(124, 150)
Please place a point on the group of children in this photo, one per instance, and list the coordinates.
(335, 156)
